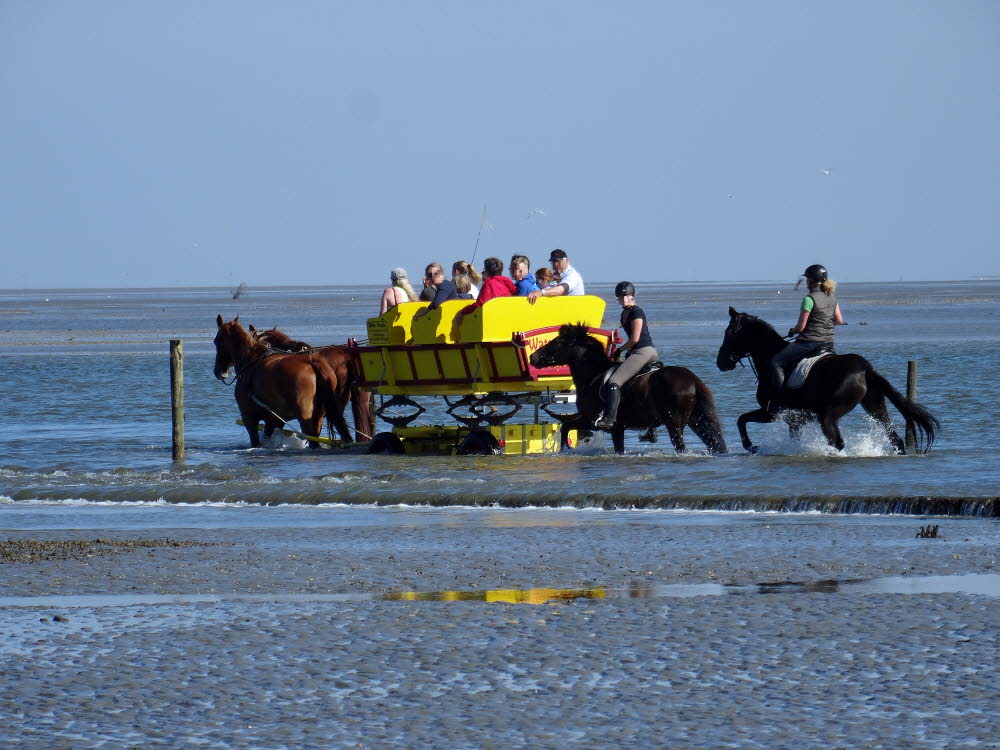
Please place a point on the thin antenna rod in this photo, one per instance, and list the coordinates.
(482, 223)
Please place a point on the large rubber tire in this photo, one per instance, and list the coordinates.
(479, 443)
(386, 442)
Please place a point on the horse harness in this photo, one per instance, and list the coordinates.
(265, 355)
(270, 352)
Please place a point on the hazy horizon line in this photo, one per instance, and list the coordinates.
(250, 286)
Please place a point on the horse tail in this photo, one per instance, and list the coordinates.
(364, 422)
(326, 387)
(705, 420)
(926, 424)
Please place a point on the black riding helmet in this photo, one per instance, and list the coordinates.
(815, 272)
(623, 288)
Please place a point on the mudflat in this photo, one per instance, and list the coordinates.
(820, 667)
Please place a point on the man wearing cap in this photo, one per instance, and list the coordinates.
(567, 280)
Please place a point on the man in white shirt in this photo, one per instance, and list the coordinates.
(567, 280)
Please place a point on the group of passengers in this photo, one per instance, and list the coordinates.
(818, 313)
(466, 283)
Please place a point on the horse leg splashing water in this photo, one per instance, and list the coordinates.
(671, 396)
(835, 385)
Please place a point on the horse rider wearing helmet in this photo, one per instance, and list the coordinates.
(818, 314)
(639, 352)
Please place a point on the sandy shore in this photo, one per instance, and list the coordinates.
(780, 670)
(435, 557)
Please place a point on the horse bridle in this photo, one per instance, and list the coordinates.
(738, 359)
(237, 373)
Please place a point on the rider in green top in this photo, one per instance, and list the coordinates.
(818, 315)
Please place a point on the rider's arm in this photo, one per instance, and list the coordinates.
(807, 306)
(801, 325)
(633, 337)
(838, 319)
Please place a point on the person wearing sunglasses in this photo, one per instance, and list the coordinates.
(444, 289)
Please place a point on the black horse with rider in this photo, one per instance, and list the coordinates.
(835, 384)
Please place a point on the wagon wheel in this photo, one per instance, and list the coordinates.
(386, 442)
(385, 411)
(483, 409)
(479, 443)
(561, 416)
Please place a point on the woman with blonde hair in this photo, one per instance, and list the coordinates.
(818, 315)
(460, 267)
(399, 292)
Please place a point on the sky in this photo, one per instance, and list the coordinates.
(181, 142)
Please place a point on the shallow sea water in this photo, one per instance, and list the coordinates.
(284, 639)
(86, 392)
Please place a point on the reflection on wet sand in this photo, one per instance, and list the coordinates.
(784, 587)
(988, 584)
(505, 596)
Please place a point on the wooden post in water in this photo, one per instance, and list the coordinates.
(911, 395)
(177, 396)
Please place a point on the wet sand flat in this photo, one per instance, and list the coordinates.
(833, 669)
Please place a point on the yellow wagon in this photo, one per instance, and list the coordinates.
(481, 362)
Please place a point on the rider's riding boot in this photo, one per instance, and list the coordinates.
(777, 386)
(607, 419)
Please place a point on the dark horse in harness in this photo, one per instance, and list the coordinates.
(276, 386)
(671, 396)
(834, 386)
(278, 340)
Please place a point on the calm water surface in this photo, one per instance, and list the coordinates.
(84, 379)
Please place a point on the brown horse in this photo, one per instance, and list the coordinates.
(340, 360)
(277, 387)
(671, 396)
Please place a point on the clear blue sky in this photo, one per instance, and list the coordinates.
(180, 142)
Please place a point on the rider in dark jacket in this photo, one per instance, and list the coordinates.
(638, 348)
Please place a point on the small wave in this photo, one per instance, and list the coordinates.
(313, 498)
(126, 477)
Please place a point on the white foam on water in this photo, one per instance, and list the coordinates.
(864, 439)
(596, 445)
(357, 479)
